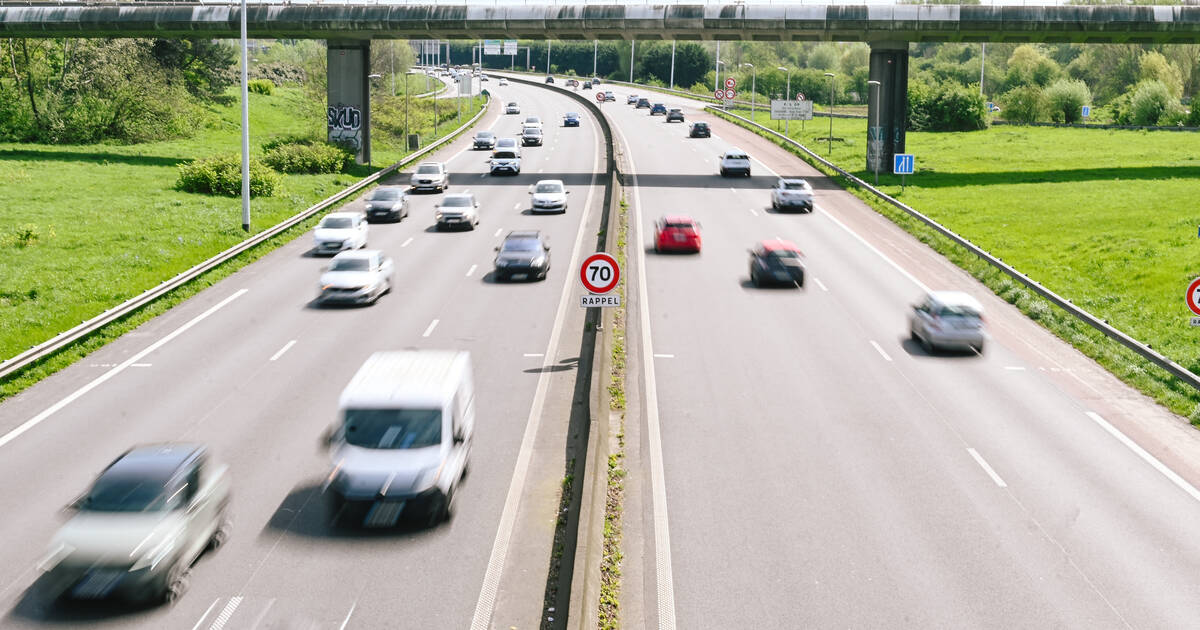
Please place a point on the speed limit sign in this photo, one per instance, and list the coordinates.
(600, 96)
(730, 83)
(599, 275)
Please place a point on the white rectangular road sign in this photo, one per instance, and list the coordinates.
(491, 47)
(510, 46)
(606, 300)
(791, 110)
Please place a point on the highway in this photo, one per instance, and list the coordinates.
(818, 469)
(251, 368)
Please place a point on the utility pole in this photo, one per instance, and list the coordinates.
(595, 53)
(982, 60)
(717, 66)
(631, 49)
(245, 129)
(672, 64)
(547, 57)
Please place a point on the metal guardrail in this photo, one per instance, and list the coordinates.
(64, 339)
(1138, 347)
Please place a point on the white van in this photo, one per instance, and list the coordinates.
(403, 438)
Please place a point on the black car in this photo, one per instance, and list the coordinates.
(642, 103)
(388, 203)
(776, 262)
(549, 79)
(485, 140)
(587, 85)
(523, 255)
(531, 136)
(675, 115)
(658, 108)
(700, 130)
(571, 119)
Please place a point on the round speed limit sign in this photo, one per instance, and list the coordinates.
(1193, 296)
(599, 273)
(600, 96)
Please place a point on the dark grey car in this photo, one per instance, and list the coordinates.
(776, 262)
(523, 255)
(388, 203)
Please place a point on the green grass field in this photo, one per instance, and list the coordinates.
(1105, 218)
(87, 227)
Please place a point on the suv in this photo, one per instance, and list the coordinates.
(531, 136)
(632, 99)
(735, 162)
(699, 130)
(792, 193)
(512, 108)
(523, 254)
(642, 103)
(658, 108)
(456, 210)
(431, 176)
(505, 160)
(675, 115)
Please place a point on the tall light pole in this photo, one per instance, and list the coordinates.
(717, 66)
(832, 80)
(982, 59)
(548, 57)
(787, 96)
(876, 139)
(245, 128)
(632, 46)
(595, 54)
(672, 64)
(753, 86)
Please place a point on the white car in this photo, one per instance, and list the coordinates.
(548, 195)
(735, 162)
(512, 108)
(947, 319)
(431, 176)
(356, 277)
(792, 193)
(503, 81)
(457, 210)
(532, 121)
(340, 231)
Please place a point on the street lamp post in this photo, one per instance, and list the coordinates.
(787, 96)
(595, 54)
(245, 127)
(753, 87)
(717, 66)
(632, 47)
(720, 86)
(672, 64)
(875, 142)
(832, 83)
(371, 77)
(547, 57)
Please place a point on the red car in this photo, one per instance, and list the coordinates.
(676, 233)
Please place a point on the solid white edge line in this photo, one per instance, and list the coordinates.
(205, 615)
(226, 613)
(486, 604)
(753, 211)
(347, 619)
(287, 346)
(1015, 367)
(266, 609)
(1149, 459)
(664, 356)
(664, 578)
(820, 284)
(879, 349)
(871, 247)
(428, 331)
(987, 469)
(471, 270)
(34, 421)
(533, 354)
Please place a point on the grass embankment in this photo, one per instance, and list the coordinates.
(88, 227)
(610, 564)
(1105, 218)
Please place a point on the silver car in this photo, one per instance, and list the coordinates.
(947, 319)
(358, 277)
(548, 195)
(457, 210)
(431, 176)
(792, 193)
(340, 231)
(139, 529)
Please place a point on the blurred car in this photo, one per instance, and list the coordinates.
(571, 83)
(595, 80)
(674, 233)
(340, 231)
(483, 77)
(792, 193)
(485, 140)
(571, 119)
(776, 262)
(389, 203)
(699, 130)
(735, 162)
(523, 254)
(642, 103)
(587, 85)
(609, 96)
(675, 115)
(503, 81)
(457, 210)
(549, 79)
(358, 277)
(141, 526)
(512, 108)
(632, 99)
(658, 108)
(531, 136)
(507, 143)
(947, 319)
(532, 121)
(431, 176)
(548, 195)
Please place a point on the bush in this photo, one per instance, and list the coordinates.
(946, 106)
(1065, 98)
(308, 157)
(1150, 102)
(1024, 104)
(260, 86)
(1193, 119)
(222, 175)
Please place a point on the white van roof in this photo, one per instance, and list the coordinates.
(406, 378)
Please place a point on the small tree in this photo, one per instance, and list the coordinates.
(1151, 101)
(1024, 104)
(1065, 98)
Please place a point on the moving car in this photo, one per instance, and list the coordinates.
(595, 80)
(402, 441)
(642, 103)
(431, 176)
(947, 319)
(632, 99)
(609, 96)
(674, 233)
(137, 531)
(505, 160)
(483, 77)
(792, 193)
(512, 108)
(359, 277)
(457, 210)
(531, 136)
(776, 262)
(699, 130)
(485, 140)
(675, 115)
(548, 195)
(658, 108)
(532, 121)
(340, 231)
(549, 79)
(571, 83)
(507, 143)
(388, 203)
(503, 81)
(735, 162)
(523, 254)
(587, 85)
(571, 119)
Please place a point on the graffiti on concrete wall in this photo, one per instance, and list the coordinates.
(345, 126)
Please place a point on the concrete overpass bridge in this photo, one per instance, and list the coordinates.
(350, 26)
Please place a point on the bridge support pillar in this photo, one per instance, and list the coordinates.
(349, 114)
(887, 105)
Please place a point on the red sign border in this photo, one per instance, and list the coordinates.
(600, 96)
(1191, 290)
(583, 273)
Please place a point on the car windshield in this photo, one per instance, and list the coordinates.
(533, 120)
(349, 264)
(428, 169)
(572, 115)
(681, 225)
(456, 202)
(957, 310)
(533, 131)
(336, 223)
(735, 156)
(386, 194)
(393, 428)
(794, 186)
(549, 188)
(116, 492)
(504, 155)
(506, 142)
(780, 254)
(700, 125)
(521, 245)
(513, 104)
(485, 134)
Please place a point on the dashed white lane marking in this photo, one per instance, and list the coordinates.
(664, 356)
(497, 232)
(405, 243)
(226, 613)
(99, 380)
(880, 351)
(287, 346)
(429, 330)
(988, 469)
(471, 270)
(820, 284)
(263, 614)
(732, 190)
(541, 170)
(753, 211)
(347, 619)
(533, 354)
(1149, 459)
(871, 247)
(205, 615)
(141, 365)
(482, 175)
(517, 206)
(1019, 368)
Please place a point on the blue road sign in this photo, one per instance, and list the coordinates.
(903, 164)
(1087, 111)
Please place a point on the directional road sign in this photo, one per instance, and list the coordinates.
(599, 273)
(1193, 296)
(903, 164)
(1086, 111)
(730, 83)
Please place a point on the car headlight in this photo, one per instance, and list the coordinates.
(438, 215)
(428, 479)
(539, 261)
